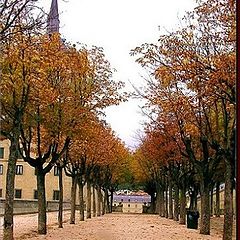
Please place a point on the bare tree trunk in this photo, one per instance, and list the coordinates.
(10, 182)
(111, 201)
(217, 209)
(105, 202)
(103, 206)
(42, 214)
(73, 199)
(89, 207)
(182, 219)
(166, 202)
(157, 210)
(211, 201)
(195, 201)
(205, 211)
(153, 204)
(162, 206)
(98, 201)
(60, 209)
(81, 201)
(94, 201)
(170, 201)
(176, 203)
(228, 203)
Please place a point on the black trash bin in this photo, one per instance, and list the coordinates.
(192, 219)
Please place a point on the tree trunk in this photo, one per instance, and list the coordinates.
(10, 181)
(166, 202)
(103, 203)
(217, 208)
(182, 219)
(228, 203)
(89, 207)
(195, 201)
(94, 201)
(81, 201)
(211, 201)
(98, 201)
(111, 201)
(73, 199)
(42, 211)
(176, 203)
(106, 202)
(170, 216)
(153, 203)
(60, 209)
(157, 209)
(205, 211)
(162, 206)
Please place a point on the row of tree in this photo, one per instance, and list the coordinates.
(190, 141)
(52, 98)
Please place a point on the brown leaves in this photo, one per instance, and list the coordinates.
(66, 87)
(193, 84)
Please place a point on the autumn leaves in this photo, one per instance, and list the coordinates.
(52, 97)
(191, 97)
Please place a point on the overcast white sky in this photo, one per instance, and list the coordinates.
(119, 26)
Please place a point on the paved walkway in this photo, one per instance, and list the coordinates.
(113, 226)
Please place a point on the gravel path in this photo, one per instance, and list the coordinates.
(113, 226)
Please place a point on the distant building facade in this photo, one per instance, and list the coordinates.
(131, 203)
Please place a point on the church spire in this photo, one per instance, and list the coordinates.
(53, 18)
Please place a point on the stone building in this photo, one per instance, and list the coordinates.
(131, 203)
(26, 181)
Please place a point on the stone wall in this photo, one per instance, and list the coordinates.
(31, 206)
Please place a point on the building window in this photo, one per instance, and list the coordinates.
(56, 171)
(35, 194)
(1, 152)
(128, 205)
(121, 200)
(129, 199)
(56, 194)
(18, 193)
(135, 205)
(1, 193)
(1, 169)
(19, 170)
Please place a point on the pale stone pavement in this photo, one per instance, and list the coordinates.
(113, 226)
